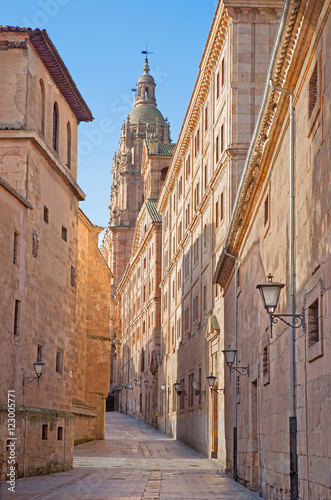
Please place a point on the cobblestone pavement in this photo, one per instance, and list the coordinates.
(134, 461)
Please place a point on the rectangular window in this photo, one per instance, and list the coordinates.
(313, 91)
(266, 361)
(17, 317)
(16, 255)
(216, 215)
(179, 232)
(188, 166)
(200, 386)
(206, 177)
(313, 324)
(196, 252)
(64, 233)
(73, 276)
(178, 328)
(173, 335)
(60, 433)
(197, 143)
(180, 187)
(187, 319)
(190, 390)
(187, 266)
(222, 207)
(44, 433)
(266, 210)
(205, 298)
(217, 85)
(205, 237)
(39, 352)
(216, 150)
(46, 215)
(174, 400)
(179, 279)
(222, 138)
(222, 72)
(142, 360)
(59, 361)
(206, 119)
(182, 396)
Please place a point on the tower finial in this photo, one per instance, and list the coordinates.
(146, 67)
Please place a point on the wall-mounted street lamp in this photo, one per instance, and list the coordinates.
(128, 386)
(211, 382)
(39, 369)
(177, 388)
(230, 356)
(147, 386)
(270, 292)
(136, 383)
(197, 388)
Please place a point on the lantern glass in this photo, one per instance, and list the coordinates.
(230, 355)
(163, 387)
(270, 293)
(176, 386)
(135, 381)
(211, 380)
(38, 367)
(195, 385)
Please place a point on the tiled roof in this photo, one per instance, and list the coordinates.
(163, 149)
(57, 69)
(154, 214)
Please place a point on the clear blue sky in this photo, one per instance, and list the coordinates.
(100, 43)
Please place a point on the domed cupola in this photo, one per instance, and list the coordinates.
(145, 118)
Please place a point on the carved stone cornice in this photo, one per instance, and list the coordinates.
(298, 30)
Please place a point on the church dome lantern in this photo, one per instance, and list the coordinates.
(145, 88)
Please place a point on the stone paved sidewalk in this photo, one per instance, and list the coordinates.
(135, 462)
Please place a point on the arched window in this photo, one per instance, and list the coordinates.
(42, 121)
(55, 127)
(164, 173)
(68, 145)
(146, 93)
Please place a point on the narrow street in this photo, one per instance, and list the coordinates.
(134, 461)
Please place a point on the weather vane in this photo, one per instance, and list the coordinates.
(146, 52)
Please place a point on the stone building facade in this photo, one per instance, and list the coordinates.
(40, 109)
(92, 343)
(288, 387)
(144, 121)
(139, 294)
(195, 203)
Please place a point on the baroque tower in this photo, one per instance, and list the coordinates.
(143, 122)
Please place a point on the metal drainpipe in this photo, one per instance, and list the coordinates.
(64, 442)
(25, 439)
(292, 419)
(235, 434)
